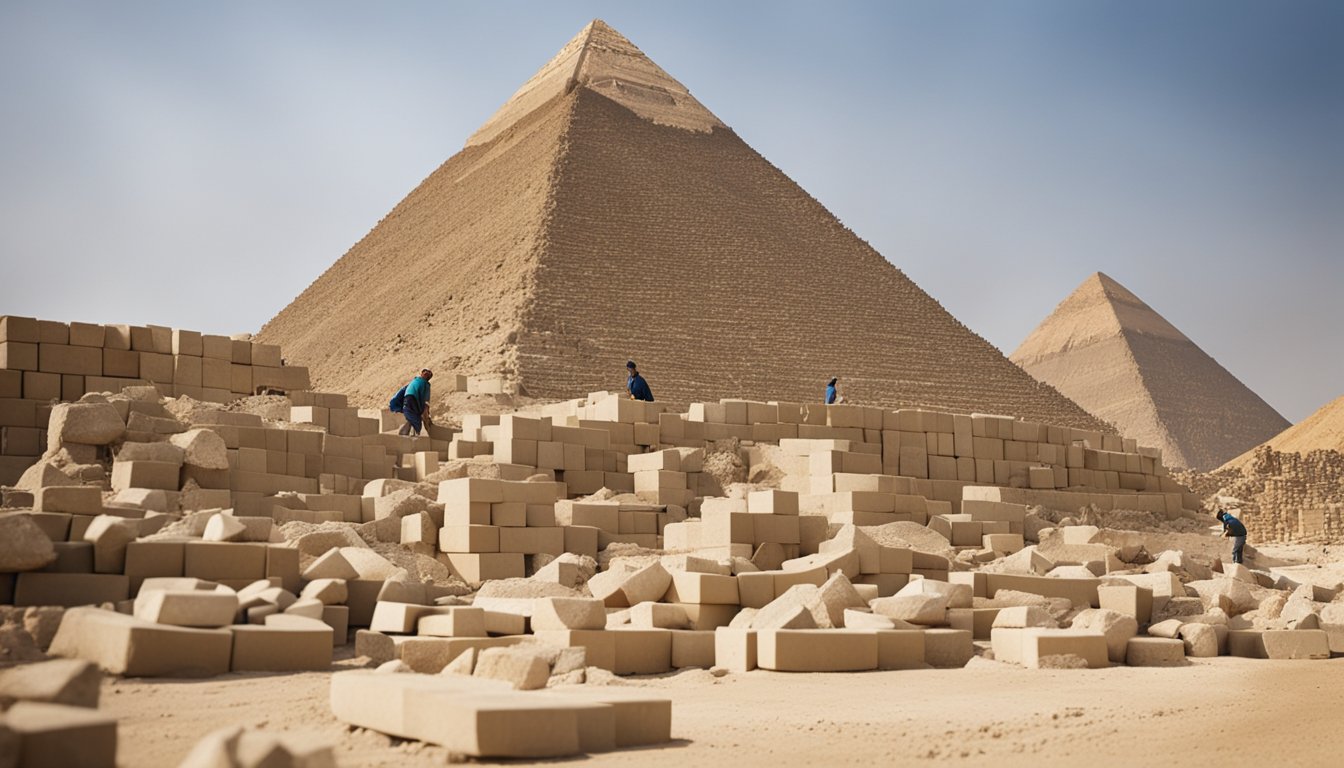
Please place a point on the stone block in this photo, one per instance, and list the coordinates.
(186, 608)
(1278, 644)
(145, 474)
(1039, 644)
(224, 561)
(702, 588)
(923, 609)
(453, 621)
(292, 648)
(1116, 627)
(458, 713)
(947, 648)
(1154, 652)
(642, 651)
(1134, 601)
(23, 544)
(125, 645)
(72, 499)
(521, 670)
(70, 589)
(817, 650)
(475, 568)
(692, 648)
(71, 682)
(559, 613)
(902, 649)
(599, 645)
(59, 735)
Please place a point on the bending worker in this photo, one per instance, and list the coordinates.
(1234, 530)
(635, 384)
(413, 403)
(831, 392)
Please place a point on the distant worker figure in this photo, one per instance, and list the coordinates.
(1233, 529)
(412, 401)
(635, 384)
(831, 393)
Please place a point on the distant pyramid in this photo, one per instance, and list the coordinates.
(1112, 354)
(1322, 430)
(603, 214)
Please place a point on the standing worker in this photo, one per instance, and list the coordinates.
(831, 393)
(412, 401)
(1233, 529)
(635, 384)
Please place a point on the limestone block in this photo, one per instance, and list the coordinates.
(145, 474)
(860, 619)
(650, 615)
(328, 591)
(125, 645)
(71, 682)
(947, 648)
(702, 588)
(599, 645)
(110, 534)
(73, 499)
(1017, 617)
(84, 424)
(649, 583)
(523, 671)
(1116, 627)
(70, 589)
(59, 735)
(464, 715)
(904, 649)
(402, 618)
(291, 648)
(1132, 601)
(1279, 643)
(1201, 640)
(642, 651)
(958, 595)
(202, 448)
(640, 718)
(23, 545)
(817, 650)
(923, 609)
(453, 621)
(186, 608)
(1227, 593)
(553, 613)
(1332, 623)
(735, 649)
(222, 527)
(978, 621)
(1154, 652)
(1171, 628)
(224, 561)
(331, 565)
(1040, 644)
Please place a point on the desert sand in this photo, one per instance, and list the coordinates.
(1222, 711)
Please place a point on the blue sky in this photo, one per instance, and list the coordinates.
(198, 164)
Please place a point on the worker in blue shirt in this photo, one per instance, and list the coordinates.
(412, 401)
(1233, 529)
(831, 393)
(635, 384)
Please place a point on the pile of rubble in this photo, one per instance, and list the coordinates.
(501, 570)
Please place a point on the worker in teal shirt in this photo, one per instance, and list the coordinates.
(1234, 530)
(635, 384)
(413, 403)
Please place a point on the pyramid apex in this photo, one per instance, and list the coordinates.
(603, 60)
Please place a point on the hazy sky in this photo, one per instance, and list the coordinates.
(198, 164)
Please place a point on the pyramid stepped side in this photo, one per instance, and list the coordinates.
(441, 280)
(1114, 355)
(692, 254)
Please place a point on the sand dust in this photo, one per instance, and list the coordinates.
(1224, 711)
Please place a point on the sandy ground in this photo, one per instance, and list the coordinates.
(1224, 711)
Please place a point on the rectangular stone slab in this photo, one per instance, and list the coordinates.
(125, 645)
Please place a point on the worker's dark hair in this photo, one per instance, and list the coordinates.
(630, 364)
(426, 370)
(1221, 514)
(831, 383)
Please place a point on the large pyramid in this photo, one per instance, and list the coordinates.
(603, 214)
(1111, 353)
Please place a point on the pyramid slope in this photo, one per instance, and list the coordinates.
(724, 279)
(597, 221)
(440, 281)
(1113, 354)
(1322, 430)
